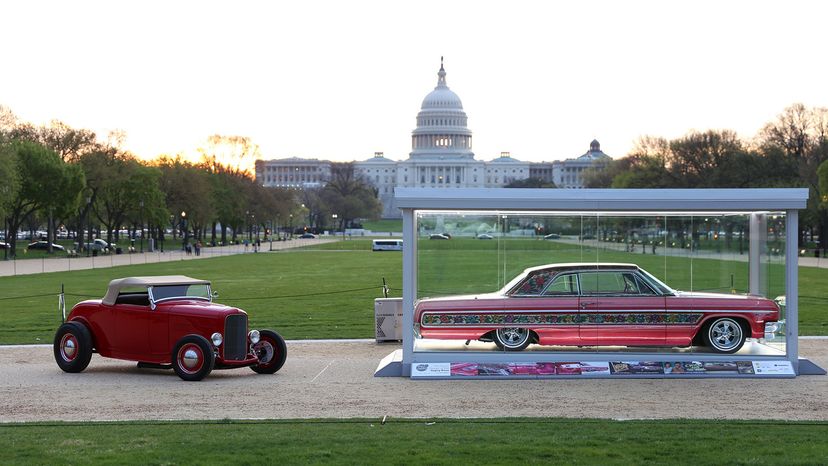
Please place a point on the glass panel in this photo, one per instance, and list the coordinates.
(681, 256)
(180, 291)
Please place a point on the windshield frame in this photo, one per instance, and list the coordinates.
(154, 302)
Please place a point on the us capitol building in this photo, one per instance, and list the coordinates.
(441, 156)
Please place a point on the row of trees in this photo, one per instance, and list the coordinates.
(57, 175)
(790, 151)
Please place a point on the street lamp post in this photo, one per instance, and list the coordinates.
(186, 230)
(141, 221)
(89, 224)
(335, 226)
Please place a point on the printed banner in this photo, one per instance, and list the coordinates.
(602, 368)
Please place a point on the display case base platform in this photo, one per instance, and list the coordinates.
(441, 359)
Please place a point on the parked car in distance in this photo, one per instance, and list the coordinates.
(165, 322)
(307, 236)
(552, 236)
(439, 236)
(485, 236)
(97, 244)
(596, 304)
(387, 245)
(4, 245)
(44, 246)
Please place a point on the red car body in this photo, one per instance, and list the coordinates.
(165, 322)
(138, 333)
(596, 304)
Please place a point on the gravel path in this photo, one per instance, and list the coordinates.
(335, 379)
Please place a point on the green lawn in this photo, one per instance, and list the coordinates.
(435, 441)
(327, 290)
(383, 225)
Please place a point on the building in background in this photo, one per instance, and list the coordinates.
(293, 172)
(441, 157)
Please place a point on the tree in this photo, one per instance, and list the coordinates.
(801, 135)
(187, 191)
(530, 183)
(349, 197)
(40, 171)
(231, 151)
(9, 179)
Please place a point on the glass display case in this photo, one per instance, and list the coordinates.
(640, 282)
(467, 257)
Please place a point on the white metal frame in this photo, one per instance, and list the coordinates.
(618, 201)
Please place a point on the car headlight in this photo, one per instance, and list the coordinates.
(217, 339)
(254, 336)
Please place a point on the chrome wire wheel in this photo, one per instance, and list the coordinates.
(512, 338)
(725, 335)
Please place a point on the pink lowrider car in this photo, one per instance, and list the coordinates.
(596, 304)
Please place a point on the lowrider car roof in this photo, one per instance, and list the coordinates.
(115, 286)
(583, 265)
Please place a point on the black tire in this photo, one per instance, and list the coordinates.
(512, 338)
(724, 335)
(193, 358)
(73, 347)
(271, 351)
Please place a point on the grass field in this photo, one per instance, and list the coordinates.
(436, 441)
(383, 225)
(327, 290)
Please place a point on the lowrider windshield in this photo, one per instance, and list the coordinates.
(200, 291)
(656, 283)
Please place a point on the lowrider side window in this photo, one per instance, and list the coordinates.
(562, 284)
(534, 284)
(615, 283)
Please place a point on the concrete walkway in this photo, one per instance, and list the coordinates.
(68, 264)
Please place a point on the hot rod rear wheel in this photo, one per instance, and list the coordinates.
(724, 335)
(193, 358)
(512, 338)
(73, 347)
(272, 352)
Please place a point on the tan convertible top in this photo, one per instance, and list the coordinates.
(115, 286)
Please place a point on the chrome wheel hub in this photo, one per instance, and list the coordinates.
(725, 334)
(513, 337)
(265, 352)
(69, 347)
(190, 359)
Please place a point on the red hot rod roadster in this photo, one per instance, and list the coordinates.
(165, 322)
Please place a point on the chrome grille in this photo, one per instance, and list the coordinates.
(235, 337)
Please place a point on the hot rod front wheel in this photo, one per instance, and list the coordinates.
(192, 358)
(73, 347)
(271, 351)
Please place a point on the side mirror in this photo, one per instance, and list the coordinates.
(215, 294)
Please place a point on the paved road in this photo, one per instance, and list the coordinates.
(334, 379)
(67, 264)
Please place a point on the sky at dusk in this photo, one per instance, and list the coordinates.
(341, 80)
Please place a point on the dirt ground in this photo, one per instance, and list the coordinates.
(333, 380)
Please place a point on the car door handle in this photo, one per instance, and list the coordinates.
(584, 305)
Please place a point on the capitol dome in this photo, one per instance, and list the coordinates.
(442, 130)
(441, 96)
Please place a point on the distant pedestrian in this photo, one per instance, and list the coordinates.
(198, 248)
